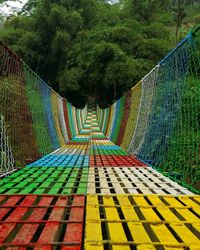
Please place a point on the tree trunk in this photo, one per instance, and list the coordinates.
(178, 20)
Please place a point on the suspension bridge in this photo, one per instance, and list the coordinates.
(125, 177)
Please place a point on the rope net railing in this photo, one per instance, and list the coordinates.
(34, 119)
(158, 120)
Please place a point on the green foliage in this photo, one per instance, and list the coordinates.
(90, 47)
(70, 80)
(11, 102)
(184, 142)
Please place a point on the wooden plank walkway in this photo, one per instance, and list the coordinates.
(142, 222)
(94, 190)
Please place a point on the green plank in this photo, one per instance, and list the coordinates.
(53, 191)
(27, 190)
(67, 191)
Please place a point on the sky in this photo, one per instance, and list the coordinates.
(11, 7)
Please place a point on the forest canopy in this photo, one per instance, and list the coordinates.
(94, 48)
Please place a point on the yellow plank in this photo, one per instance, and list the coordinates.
(188, 200)
(141, 237)
(180, 208)
(187, 215)
(89, 246)
(93, 232)
(184, 233)
(139, 234)
(185, 199)
(140, 201)
(118, 247)
(137, 230)
(124, 201)
(174, 248)
(197, 226)
(157, 201)
(93, 213)
(116, 230)
(127, 208)
(168, 215)
(195, 247)
(160, 230)
(146, 247)
(92, 200)
(163, 233)
(197, 198)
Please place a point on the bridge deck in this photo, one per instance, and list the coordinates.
(92, 189)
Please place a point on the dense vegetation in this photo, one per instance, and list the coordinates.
(90, 47)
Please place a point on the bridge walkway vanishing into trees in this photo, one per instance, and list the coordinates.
(125, 177)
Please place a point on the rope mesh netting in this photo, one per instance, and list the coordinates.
(158, 120)
(160, 116)
(34, 119)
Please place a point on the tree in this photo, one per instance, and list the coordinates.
(179, 15)
(91, 47)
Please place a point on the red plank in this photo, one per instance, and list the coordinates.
(2, 197)
(74, 233)
(15, 248)
(3, 212)
(25, 234)
(5, 230)
(29, 200)
(51, 228)
(79, 201)
(74, 230)
(11, 201)
(28, 230)
(57, 212)
(43, 247)
(71, 248)
(17, 214)
(49, 232)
